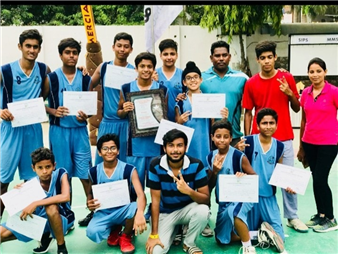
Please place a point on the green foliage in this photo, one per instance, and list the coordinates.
(241, 19)
(315, 10)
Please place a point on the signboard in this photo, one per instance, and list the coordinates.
(88, 20)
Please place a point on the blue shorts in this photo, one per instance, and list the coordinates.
(16, 146)
(103, 220)
(225, 220)
(71, 149)
(266, 210)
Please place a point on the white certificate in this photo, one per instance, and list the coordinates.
(286, 176)
(31, 227)
(145, 118)
(28, 112)
(112, 194)
(206, 105)
(238, 189)
(84, 101)
(116, 76)
(166, 126)
(17, 199)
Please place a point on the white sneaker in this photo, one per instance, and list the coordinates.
(207, 231)
(267, 232)
(298, 225)
(248, 250)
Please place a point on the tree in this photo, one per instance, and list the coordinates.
(239, 20)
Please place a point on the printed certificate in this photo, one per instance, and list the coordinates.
(238, 189)
(31, 227)
(28, 112)
(116, 76)
(84, 101)
(16, 200)
(286, 176)
(207, 105)
(112, 194)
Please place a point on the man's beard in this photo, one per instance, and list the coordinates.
(175, 160)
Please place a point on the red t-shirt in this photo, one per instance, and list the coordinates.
(265, 93)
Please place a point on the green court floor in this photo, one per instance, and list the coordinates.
(296, 243)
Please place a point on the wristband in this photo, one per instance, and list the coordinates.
(153, 236)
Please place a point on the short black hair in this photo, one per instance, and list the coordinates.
(221, 124)
(219, 44)
(30, 34)
(69, 42)
(146, 56)
(173, 134)
(106, 138)
(42, 154)
(124, 36)
(265, 46)
(266, 112)
(167, 43)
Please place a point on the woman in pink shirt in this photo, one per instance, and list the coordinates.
(319, 141)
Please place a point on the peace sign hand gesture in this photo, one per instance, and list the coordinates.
(182, 186)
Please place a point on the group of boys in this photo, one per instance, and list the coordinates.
(180, 186)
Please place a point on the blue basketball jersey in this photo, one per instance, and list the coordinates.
(200, 143)
(55, 98)
(263, 163)
(110, 96)
(174, 85)
(232, 164)
(22, 87)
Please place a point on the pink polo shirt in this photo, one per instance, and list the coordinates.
(321, 126)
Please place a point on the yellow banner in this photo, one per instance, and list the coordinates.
(88, 20)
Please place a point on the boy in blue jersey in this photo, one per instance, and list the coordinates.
(68, 135)
(141, 150)
(111, 122)
(20, 80)
(106, 222)
(169, 75)
(179, 193)
(264, 152)
(231, 222)
(55, 207)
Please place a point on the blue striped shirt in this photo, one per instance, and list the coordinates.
(172, 199)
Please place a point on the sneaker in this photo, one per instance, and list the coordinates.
(113, 238)
(85, 221)
(298, 225)
(62, 251)
(326, 225)
(314, 221)
(207, 231)
(248, 250)
(44, 244)
(70, 229)
(126, 246)
(272, 236)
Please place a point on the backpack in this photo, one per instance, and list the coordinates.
(7, 74)
(63, 209)
(126, 175)
(53, 97)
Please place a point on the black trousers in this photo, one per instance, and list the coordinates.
(321, 158)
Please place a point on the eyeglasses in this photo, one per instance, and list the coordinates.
(196, 77)
(107, 149)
